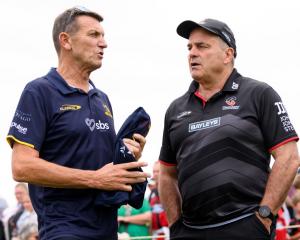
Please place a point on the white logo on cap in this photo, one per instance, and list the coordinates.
(226, 36)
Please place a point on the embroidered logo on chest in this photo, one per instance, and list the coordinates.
(183, 114)
(230, 103)
(69, 107)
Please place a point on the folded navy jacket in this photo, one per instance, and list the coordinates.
(138, 122)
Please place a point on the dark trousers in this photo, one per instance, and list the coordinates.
(67, 238)
(249, 228)
(74, 238)
(2, 234)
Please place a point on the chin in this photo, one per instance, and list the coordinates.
(196, 76)
(96, 66)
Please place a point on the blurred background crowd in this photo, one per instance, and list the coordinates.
(19, 222)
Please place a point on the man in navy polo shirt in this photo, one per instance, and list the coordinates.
(215, 180)
(62, 136)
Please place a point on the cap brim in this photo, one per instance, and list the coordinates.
(185, 28)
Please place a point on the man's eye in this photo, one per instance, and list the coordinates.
(94, 34)
(202, 46)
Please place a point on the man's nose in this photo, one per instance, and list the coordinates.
(102, 43)
(192, 52)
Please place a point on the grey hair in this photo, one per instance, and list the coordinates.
(66, 22)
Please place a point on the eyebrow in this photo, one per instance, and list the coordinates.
(198, 43)
(96, 31)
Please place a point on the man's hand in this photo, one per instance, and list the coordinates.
(118, 177)
(265, 221)
(135, 145)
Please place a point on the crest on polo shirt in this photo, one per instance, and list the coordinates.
(107, 112)
(231, 103)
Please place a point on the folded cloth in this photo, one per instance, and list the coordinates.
(138, 122)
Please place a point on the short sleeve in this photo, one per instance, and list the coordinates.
(274, 120)
(167, 155)
(28, 126)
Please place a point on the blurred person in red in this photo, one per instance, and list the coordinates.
(281, 230)
(159, 223)
(294, 232)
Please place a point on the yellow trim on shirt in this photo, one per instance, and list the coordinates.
(10, 139)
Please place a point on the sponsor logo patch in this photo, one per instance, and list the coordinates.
(197, 126)
(235, 86)
(286, 123)
(26, 117)
(20, 129)
(92, 124)
(284, 118)
(69, 107)
(280, 108)
(182, 114)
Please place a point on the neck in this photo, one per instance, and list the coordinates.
(210, 85)
(75, 76)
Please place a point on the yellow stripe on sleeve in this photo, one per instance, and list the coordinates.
(11, 139)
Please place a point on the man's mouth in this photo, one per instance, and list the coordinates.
(194, 65)
(100, 54)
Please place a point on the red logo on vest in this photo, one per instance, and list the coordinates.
(230, 101)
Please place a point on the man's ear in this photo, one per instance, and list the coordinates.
(229, 55)
(65, 41)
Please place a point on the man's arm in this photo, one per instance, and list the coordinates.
(27, 166)
(169, 192)
(281, 177)
(139, 219)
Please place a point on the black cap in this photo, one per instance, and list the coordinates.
(214, 26)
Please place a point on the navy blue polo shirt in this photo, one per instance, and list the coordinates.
(222, 147)
(75, 129)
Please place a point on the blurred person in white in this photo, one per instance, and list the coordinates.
(29, 233)
(27, 223)
(3, 206)
(12, 214)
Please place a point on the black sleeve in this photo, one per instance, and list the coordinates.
(274, 120)
(167, 156)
